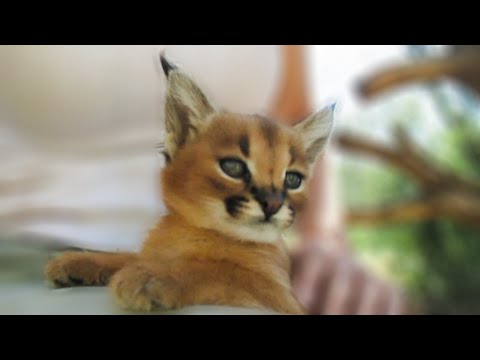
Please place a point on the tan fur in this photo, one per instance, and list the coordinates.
(200, 253)
(85, 268)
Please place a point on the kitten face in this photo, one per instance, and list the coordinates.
(245, 176)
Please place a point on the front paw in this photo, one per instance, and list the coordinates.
(139, 289)
(74, 269)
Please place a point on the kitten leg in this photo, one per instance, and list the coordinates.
(146, 286)
(86, 269)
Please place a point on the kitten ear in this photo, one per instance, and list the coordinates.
(315, 131)
(186, 108)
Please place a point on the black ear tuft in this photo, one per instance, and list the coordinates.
(167, 157)
(161, 149)
(166, 65)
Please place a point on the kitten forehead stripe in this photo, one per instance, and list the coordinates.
(293, 156)
(270, 130)
(245, 145)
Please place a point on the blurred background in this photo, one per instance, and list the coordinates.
(79, 126)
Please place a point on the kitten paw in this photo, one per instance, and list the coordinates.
(138, 289)
(75, 269)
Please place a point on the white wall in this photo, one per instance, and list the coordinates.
(71, 92)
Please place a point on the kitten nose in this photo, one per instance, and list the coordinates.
(271, 202)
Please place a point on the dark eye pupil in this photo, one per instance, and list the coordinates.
(293, 181)
(233, 168)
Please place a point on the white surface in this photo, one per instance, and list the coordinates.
(36, 300)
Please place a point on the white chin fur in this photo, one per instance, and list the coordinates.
(256, 231)
(262, 232)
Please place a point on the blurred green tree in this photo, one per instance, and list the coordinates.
(431, 242)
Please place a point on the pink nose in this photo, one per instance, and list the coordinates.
(271, 202)
(271, 207)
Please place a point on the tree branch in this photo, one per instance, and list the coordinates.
(445, 194)
(463, 67)
(416, 210)
(408, 164)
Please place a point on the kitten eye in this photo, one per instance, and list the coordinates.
(293, 180)
(233, 168)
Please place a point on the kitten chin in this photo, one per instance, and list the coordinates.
(261, 232)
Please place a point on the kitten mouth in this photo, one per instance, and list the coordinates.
(265, 221)
(261, 221)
